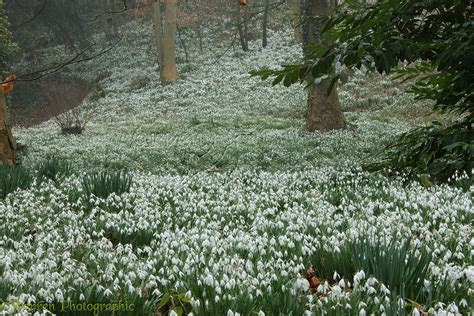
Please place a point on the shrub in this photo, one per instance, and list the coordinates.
(97, 93)
(12, 178)
(103, 184)
(73, 122)
(53, 169)
(139, 82)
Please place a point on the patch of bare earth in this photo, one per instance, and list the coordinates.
(35, 103)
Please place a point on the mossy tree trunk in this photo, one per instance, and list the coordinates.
(324, 110)
(7, 142)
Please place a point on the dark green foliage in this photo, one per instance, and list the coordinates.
(435, 39)
(175, 301)
(103, 184)
(398, 267)
(12, 178)
(436, 151)
(7, 47)
(53, 169)
(139, 82)
(58, 22)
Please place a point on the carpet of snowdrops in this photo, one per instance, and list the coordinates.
(231, 200)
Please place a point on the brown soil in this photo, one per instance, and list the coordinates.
(38, 102)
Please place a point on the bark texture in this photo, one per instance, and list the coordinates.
(324, 111)
(242, 29)
(266, 13)
(7, 142)
(158, 30)
(296, 8)
(168, 70)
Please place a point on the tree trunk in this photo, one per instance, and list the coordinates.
(104, 20)
(183, 44)
(266, 12)
(158, 31)
(114, 19)
(169, 72)
(296, 8)
(7, 142)
(242, 32)
(324, 111)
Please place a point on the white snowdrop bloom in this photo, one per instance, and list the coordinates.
(335, 276)
(59, 295)
(82, 297)
(230, 313)
(217, 299)
(359, 276)
(469, 271)
(172, 313)
(401, 303)
(362, 312)
(301, 284)
(209, 280)
(342, 284)
(107, 292)
(336, 290)
(261, 313)
(371, 290)
(415, 312)
(384, 289)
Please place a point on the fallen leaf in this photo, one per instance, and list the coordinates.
(8, 85)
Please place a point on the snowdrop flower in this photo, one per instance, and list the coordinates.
(342, 284)
(173, 313)
(209, 280)
(59, 295)
(301, 284)
(469, 271)
(359, 276)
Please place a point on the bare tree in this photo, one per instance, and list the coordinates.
(266, 13)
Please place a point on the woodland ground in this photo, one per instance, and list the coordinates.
(231, 200)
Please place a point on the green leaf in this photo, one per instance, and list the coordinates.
(425, 181)
(165, 300)
(178, 310)
(278, 79)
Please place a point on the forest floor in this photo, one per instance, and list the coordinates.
(208, 195)
(38, 102)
